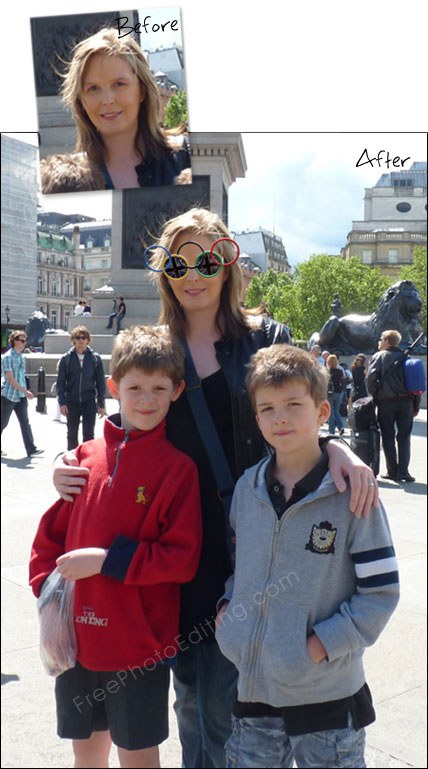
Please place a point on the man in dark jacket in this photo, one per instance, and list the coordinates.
(396, 406)
(81, 387)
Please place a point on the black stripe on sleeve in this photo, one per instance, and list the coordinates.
(374, 555)
(379, 580)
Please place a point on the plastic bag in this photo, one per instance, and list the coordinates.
(58, 645)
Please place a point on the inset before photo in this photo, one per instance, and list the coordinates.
(111, 100)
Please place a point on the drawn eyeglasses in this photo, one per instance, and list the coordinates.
(208, 264)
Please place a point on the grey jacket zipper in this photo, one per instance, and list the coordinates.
(116, 465)
(265, 605)
(260, 624)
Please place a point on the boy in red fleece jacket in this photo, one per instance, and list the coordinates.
(143, 495)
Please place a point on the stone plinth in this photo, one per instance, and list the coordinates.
(139, 215)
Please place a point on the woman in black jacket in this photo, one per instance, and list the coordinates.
(201, 304)
(359, 373)
(335, 394)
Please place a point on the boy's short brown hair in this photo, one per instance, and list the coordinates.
(80, 331)
(13, 336)
(150, 348)
(280, 363)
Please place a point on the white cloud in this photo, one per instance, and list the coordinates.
(307, 185)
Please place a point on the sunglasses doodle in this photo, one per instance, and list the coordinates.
(208, 264)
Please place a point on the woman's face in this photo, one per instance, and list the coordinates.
(111, 95)
(194, 292)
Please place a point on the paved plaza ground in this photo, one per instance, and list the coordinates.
(395, 665)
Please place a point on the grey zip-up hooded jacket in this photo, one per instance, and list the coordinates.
(318, 568)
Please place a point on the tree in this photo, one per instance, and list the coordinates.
(276, 291)
(417, 273)
(304, 299)
(176, 110)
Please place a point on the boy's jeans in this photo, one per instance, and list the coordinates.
(264, 742)
(205, 688)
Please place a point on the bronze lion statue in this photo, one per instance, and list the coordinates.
(400, 308)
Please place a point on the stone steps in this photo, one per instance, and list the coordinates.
(96, 324)
(58, 344)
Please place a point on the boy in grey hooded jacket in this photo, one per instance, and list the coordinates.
(313, 585)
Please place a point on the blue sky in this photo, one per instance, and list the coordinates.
(161, 38)
(307, 186)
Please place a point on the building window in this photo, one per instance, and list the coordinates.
(53, 260)
(107, 241)
(367, 257)
(39, 256)
(403, 208)
(89, 243)
(66, 320)
(87, 284)
(67, 290)
(65, 261)
(393, 255)
(105, 264)
(40, 285)
(53, 318)
(54, 287)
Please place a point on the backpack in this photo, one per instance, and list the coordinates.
(362, 414)
(415, 380)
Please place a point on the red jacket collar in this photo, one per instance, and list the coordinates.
(115, 433)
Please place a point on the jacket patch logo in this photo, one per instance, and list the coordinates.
(141, 495)
(322, 538)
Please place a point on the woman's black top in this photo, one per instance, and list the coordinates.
(360, 389)
(156, 173)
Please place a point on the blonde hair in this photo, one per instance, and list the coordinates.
(280, 363)
(230, 315)
(332, 361)
(78, 330)
(149, 348)
(392, 337)
(150, 136)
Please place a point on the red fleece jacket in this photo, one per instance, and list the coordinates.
(140, 488)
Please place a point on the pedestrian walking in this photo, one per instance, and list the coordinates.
(315, 353)
(81, 387)
(359, 372)
(335, 394)
(15, 393)
(396, 406)
(200, 303)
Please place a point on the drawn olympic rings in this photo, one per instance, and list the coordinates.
(169, 266)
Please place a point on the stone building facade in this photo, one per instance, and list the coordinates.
(265, 249)
(60, 275)
(394, 221)
(95, 247)
(18, 229)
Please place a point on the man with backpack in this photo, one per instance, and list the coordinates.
(81, 387)
(396, 405)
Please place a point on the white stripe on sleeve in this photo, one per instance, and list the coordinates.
(376, 567)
